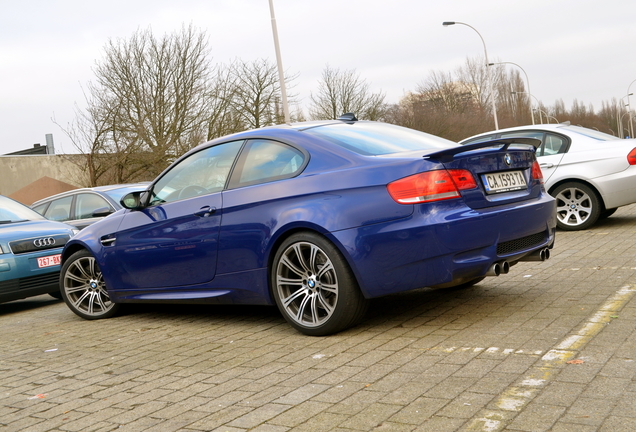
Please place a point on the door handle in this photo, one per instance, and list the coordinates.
(205, 211)
(546, 165)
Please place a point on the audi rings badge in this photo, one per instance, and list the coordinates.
(44, 242)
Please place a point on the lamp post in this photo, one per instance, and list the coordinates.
(532, 109)
(492, 94)
(629, 110)
(279, 62)
(620, 123)
(631, 124)
(547, 117)
(620, 116)
(527, 81)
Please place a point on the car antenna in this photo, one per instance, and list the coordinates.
(348, 117)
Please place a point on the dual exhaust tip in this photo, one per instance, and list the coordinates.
(503, 267)
(498, 268)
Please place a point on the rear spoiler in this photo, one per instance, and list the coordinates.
(447, 155)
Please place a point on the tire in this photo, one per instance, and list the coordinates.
(578, 206)
(83, 288)
(313, 286)
(607, 213)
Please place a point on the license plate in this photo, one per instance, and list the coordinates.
(49, 261)
(504, 181)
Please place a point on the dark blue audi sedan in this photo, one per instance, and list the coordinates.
(317, 218)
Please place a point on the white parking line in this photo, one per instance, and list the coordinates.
(516, 397)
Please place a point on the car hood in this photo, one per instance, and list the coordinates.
(27, 229)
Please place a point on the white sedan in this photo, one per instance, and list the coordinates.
(590, 173)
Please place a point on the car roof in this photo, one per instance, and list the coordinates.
(105, 188)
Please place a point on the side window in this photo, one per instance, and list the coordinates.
(86, 204)
(479, 139)
(528, 134)
(551, 144)
(60, 209)
(203, 172)
(263, 161)
(41, 208)
(554, 144)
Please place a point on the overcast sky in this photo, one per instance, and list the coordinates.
(573, 49)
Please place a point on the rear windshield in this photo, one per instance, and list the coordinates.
(371, 138)
(591, 133)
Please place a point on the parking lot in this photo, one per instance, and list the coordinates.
(550, 346)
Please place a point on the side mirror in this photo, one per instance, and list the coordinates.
(102, 212)
(134, 200)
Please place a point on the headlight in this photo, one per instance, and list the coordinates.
(1, 250)
(75, 231)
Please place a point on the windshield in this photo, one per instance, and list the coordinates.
(371, 138)
(12, 211)
(591, 133)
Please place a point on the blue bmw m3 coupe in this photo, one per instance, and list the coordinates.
(316, 218)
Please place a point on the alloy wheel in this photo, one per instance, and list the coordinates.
(307, 284)
(83, 288)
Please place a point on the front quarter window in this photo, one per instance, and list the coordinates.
(203, 172)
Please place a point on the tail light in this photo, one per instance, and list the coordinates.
(631, 157)
(431, 186)
(536, 172)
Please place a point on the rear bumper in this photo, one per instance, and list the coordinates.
(444, 242)
(618, 189)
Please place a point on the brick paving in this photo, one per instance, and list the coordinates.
(550, 346)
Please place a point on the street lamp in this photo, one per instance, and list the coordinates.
(547, 117)
(619, 121)
(279, 62)
(631, 124)
(527, 81)
(492, 94)
(533, 109)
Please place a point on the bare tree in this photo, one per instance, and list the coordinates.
(149, 103)
(223, 119)
(106, 155)
(161, 86)
(256, 95)
(342, 92)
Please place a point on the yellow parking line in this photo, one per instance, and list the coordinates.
(516, 397)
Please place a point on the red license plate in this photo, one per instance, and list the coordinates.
(49, 261)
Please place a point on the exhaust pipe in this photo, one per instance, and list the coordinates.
(540, 255)
(498, 268)
(494, 270)
(505, 267)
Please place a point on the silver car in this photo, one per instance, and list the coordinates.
(590, 173)
(82, 207)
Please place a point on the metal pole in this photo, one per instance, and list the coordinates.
(527, 80)
(279, 62)
(631, 123)
(492, 94)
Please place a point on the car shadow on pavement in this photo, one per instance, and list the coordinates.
(27, 304)
(202, 310)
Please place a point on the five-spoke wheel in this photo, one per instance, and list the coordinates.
(314, 287)
(83, 288)
(578, 206)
